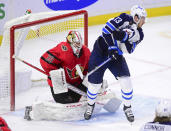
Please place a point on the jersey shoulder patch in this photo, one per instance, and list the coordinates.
(64, 48)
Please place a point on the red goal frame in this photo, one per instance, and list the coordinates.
(12, 44)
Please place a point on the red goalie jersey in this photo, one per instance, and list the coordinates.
(62, 56)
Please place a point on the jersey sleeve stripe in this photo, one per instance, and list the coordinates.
(111, 26)
(53, 56)
(104, 30)
(125, 37)
(48, 62)
(133, 47)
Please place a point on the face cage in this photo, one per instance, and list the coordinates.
(76, 49)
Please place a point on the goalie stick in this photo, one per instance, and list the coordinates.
(76, 90)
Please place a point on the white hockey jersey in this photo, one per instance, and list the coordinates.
(156, 127)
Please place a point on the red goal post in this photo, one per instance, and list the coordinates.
(35, 23)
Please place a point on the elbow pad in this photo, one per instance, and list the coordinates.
(120, 35)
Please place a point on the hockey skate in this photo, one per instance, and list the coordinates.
(27, 113)
(128, 113)
(89, 111)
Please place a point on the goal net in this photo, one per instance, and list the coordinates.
(27, 38)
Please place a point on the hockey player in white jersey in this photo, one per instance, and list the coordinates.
(120, 35)
(162, 120)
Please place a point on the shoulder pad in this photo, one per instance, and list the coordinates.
(126, 17)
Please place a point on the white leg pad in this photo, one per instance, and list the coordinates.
(69, 112)
(113, 103)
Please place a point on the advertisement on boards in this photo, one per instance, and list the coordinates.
(2, 13)
(68, 4)
(10, 9)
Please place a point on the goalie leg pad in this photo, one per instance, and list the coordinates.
(112, 105)
(110, 100)
(60, 112)
(67, 112)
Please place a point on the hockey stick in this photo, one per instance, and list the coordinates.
(92, 71)
(76, 90)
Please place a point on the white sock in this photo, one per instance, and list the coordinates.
(126, 90)
(92, 93)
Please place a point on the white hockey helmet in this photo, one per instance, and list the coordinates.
(139, 11)
(75, 40)
(163, 109)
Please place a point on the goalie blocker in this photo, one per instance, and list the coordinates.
(62, 91)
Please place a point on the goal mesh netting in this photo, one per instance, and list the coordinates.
(28, 37)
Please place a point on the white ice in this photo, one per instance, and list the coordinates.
(150, 67)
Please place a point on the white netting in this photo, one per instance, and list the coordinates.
(30, 43)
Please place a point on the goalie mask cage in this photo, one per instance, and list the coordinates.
(28, 37)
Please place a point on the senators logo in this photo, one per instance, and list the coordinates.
(72, 73)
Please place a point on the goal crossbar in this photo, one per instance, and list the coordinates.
(32, 23)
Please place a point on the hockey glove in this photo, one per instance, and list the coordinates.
(120, 35)
(113, 52)
(133, 34)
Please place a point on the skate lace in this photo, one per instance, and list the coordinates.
(89, 110)
(128, 112)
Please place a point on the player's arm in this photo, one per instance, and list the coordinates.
(134, 40)
(50, 60)
(111, 33)
(115, 23)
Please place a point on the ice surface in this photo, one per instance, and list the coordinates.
(150, 68)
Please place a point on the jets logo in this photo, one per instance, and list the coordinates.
(72, 73)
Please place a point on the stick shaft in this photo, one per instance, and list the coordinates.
(80, 92)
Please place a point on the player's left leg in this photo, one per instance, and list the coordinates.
(95, 81)
(121, 72)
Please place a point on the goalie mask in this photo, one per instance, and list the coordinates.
(138, 11)
(75, 40)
